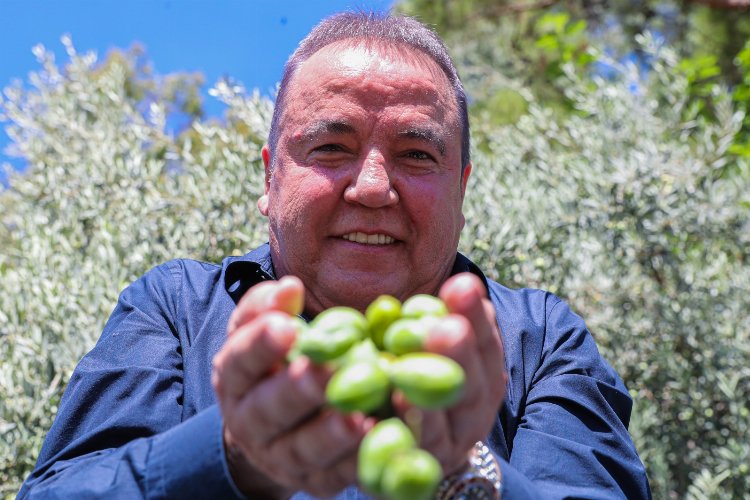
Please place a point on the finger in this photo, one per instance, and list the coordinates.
(472, 416)
(329, 438)
(465, 294)
(250, 354)
(320, 456)
(281, 402)
(326, 483)
(453, 338)
(433, 432)
(285, 295)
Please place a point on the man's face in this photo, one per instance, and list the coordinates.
(365, 192)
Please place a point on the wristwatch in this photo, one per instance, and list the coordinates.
(483, 480)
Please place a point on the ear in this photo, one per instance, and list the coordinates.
(465, 179)
(265, 153)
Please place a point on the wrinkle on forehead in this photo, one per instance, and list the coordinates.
(348, 67)
(358, 54)
(358, 58)
(393, 92)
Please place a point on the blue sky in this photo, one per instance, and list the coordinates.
(247, 40)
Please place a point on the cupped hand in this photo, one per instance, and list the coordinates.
(469, 335)
(278, 434)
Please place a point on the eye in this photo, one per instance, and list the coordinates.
(329, 148)
(329, 154)
(419, 155)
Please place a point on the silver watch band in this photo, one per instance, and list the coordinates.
(483, 480)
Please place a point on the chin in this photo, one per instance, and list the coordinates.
(358, 293)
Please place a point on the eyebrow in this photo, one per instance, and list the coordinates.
(320, 127)
(324, 127)
(425, 134)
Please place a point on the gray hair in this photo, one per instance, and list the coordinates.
(374, 27)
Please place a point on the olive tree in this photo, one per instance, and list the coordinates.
(107, 194)
(639, 218)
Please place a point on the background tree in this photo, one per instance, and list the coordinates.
(528, 41)
(107, 194)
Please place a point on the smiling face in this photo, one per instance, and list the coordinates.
(365, 188)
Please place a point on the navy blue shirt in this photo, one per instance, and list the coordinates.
(139, 416)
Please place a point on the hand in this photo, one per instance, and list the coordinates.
(278, 435)
(471, 337)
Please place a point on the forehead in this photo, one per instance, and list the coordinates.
(374, 75)
(358, 56)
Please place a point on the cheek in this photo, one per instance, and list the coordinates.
(299, 196)
(435, 207)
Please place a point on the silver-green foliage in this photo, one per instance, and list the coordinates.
(108, 194)
(632, 213)
(641, 220)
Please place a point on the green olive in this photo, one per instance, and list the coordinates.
(408, 335)
(421, 305)
(381, 443)
(380, 314)
(332, 333)
(385, 359)
(364, 350)
(341, 317)
(411, 475)
(359, 386)
(428, 380)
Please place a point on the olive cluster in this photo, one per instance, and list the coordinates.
(373, 354)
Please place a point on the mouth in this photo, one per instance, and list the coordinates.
(369, 239)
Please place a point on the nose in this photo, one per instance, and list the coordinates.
(371, 185)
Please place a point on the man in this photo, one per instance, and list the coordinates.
(366, 170)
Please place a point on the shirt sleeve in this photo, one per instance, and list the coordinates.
(571, 439)
(120, 431)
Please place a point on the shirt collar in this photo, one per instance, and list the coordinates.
(464, 265)
(243, 272)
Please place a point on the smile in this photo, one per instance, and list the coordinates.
(369, 239)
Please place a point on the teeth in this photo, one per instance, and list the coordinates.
(369, 239)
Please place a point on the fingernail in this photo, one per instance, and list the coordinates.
(466, 283)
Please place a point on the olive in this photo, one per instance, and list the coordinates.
(411, 475)
(332, 333)
(361, 351)
(359, 386)
(428, 380)
(421, 305)
(341, 317)
(408, 335)
(380, 314)
(387, 438)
